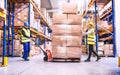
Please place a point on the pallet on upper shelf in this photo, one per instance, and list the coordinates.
(102, 32)
(89, 6)
(107, 12)
(37, 9)
(35, 6)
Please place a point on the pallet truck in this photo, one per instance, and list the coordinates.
(47, 53)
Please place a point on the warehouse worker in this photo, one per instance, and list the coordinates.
(90, 40)
(25, 39)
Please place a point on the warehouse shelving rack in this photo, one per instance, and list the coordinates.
(14, 28)
(106, 15)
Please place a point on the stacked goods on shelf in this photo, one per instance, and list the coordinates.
(34, 49)
(69, 8)
(101, 48)
(18, 48)
(2, 11)
(84, 49)
(1, 42)
(108, 49)
(67, 39)
(102, 25)
(21, 14)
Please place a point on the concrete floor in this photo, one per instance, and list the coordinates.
(36, 66)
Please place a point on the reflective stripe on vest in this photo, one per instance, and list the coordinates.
(91, 38)
(25, 39)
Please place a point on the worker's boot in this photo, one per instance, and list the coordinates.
(26, 59)
(98, 58)
(88, 60)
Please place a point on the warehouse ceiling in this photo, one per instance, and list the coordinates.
(55, 5)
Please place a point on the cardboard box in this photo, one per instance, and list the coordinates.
(74, 19)
(102, 25)
(58, 40)
(59, 52)
(70, 8)
(74, 41)
(111, 46)
(20, 17)
(66, 52)
(73, 52)
(1, 51)
(59, 18)
(67, 29)
(101, 48)
(17, 44)
(100, 44)
(108, 52)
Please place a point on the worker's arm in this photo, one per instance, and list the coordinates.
(23, 32)
(88, 32)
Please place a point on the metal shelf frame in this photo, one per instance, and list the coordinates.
(10, 18)
(96, 24)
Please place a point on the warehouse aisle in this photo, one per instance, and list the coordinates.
(106, 66)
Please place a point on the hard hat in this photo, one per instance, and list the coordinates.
(26, 24)
(90, 23)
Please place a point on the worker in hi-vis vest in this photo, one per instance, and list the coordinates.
(90, 40)
(25, 39)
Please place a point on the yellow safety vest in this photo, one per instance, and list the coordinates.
(91, 38)
(23, 38)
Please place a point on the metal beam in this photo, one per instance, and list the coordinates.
(96, 25)
(5, 57)
(113, 26)
(13, 9)
(44, 34)
(9, 22)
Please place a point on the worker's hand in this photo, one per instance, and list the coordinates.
(83, 33)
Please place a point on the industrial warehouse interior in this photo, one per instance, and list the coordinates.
(59, 37)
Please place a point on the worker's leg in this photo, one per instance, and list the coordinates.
(26, 51)
(90, 53)
(98, 57)
(28, 48)
(95, 53)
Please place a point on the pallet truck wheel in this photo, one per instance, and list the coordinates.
(45, 58)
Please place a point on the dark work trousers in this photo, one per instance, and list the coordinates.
(90, 52)
(26, 46)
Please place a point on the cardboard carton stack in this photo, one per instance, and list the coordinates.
(66, 39)
(108, 49)
(101, 48)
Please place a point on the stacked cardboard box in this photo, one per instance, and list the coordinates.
(101, 48)
(66, 39)
(108, 49)
(21, 14)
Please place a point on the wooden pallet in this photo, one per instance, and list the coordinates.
(66, 59)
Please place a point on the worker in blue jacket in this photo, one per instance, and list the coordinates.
(25, 39)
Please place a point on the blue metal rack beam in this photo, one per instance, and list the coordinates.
(5, 57)
(44, 34)
(29, 14)
(96, 25)
(8, 18)
(13, 9)
(113, 25)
